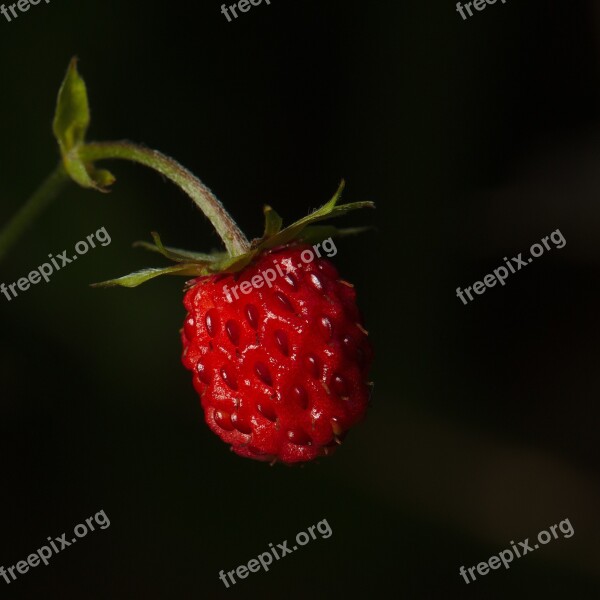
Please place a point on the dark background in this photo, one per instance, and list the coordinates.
(475, 138)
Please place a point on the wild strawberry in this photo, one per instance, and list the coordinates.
(281, 370)
(280, 362)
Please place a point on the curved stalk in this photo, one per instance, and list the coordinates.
(235, 241)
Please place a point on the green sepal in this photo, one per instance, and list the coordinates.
(71, 121)
(197, 264)
(273, 222)
(327, 211)
(177, 254)
(233, 264)
(139, 277)
(301, 230)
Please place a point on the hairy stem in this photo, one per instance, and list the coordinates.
(36, 204)
(235, 241)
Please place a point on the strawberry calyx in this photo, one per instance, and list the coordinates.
(196, 264)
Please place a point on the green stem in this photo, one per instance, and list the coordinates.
(233, 238)
(36, 204)
(235, 241)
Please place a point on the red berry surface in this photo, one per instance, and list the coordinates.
(281, 367)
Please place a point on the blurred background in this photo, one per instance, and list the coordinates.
(475, 138)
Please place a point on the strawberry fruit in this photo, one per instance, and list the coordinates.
(282, 370)
(281, 365)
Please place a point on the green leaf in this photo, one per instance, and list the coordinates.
(71, 121)
(72, 116)
(139, 277)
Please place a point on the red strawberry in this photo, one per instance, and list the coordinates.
(282, 369)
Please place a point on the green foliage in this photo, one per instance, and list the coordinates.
(71, 121)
